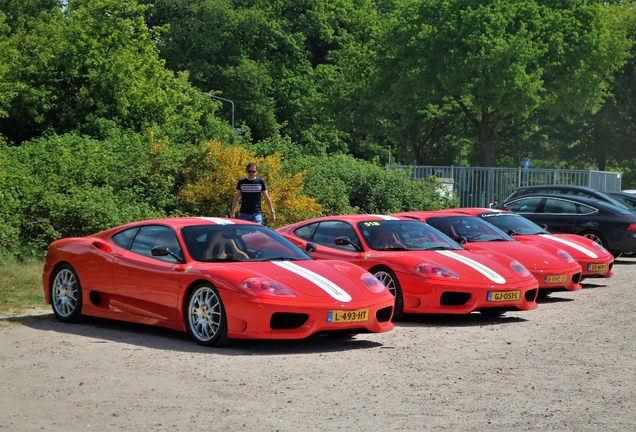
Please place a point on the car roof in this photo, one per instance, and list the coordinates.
(578, 198)
(570, 187)
(179, 222)
(625, 195)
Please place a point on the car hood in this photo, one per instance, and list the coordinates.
(336, 281)
(577, 246)
(472, 266)
(531, 256)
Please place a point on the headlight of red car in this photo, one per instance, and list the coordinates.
(434, 270)
(599, 247)
(267, 286)
(519, 268)
(372, 283)
(566, 256)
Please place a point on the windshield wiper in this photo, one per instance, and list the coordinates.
(498, 240)
(222, 260)
(440, 247)
(286, 258)
(392, 249)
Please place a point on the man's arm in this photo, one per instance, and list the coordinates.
(268, 201)
(237, 195)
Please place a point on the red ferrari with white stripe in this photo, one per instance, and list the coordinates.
(217, 279)
(425, 270)
(594, 259)
(554, 268)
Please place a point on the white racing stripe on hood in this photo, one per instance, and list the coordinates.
(218, 221)
(325, 284)
(580, 248)
(490, 274)
(385, 217)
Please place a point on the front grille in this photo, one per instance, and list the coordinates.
(576, 278)
(454, 298)
(284, 320)
(531, 295)
(384, 314)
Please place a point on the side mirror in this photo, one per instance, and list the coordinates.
(512, 232)
(345, 241)
(164, 251)
(462, 240)
(310, 247)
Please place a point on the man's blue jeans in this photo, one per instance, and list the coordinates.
(256, 217)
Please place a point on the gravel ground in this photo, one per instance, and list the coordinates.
(567, 366)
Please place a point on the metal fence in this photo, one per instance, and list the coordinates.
(481, 187)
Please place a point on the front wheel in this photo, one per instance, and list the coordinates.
(205, 316)
(66, 294)
(390, 281)
(595, 237)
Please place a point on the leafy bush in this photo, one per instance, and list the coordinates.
(344, 184)
(214, 170)
(74, 186)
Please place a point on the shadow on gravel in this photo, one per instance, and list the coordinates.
(553, 298)
(590, 285)
(98, 330)
(468, 320)
(625, 261)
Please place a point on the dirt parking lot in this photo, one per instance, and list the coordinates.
(567, 366)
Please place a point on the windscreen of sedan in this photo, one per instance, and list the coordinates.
(236, 242)
(396, 235)
(468, 228)
(510, 222)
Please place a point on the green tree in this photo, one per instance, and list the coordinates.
(498, 61)
(89, 66)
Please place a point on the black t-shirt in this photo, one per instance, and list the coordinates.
(251, 194)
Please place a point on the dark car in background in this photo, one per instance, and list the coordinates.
(612, 226)
(625, 198)
(581, 191)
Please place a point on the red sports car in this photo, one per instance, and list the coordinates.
(554, 268)
(594, 259)
(426, 270)
(216, 278)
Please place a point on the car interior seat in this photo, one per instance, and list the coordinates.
(447, 228)
(220, 247)
(385, 238)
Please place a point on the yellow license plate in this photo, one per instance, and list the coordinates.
(348, 316)
(597, 267)
(502, 296)
(556, 279)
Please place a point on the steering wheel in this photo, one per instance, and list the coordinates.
(420, 240)
(475, 235)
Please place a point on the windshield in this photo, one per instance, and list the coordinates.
(403, 235)
(511, 222)
(617, 203)
(619, 209)
(236, 242)
(470, 228)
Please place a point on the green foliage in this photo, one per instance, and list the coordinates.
(94, 62)
(20, 285)
(73, 186)
(343, 184)
(497, 61)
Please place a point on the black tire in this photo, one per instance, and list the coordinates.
(66, 294)
(391, 282)
(492, 313)
(205, 316)
(543, 293)
(595, 236)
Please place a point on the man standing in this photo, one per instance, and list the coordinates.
(249, 189)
